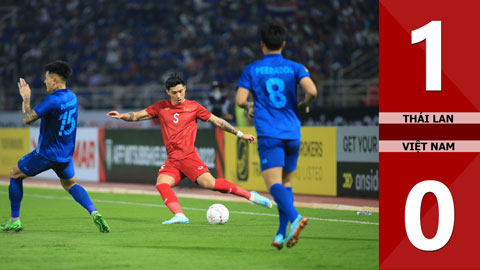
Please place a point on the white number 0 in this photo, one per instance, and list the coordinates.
(432, 33)
(446, 215)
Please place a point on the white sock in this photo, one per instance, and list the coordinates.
(14, 219)
(252, 196)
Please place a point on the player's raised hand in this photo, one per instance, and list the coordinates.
(303, 108)
(250, 113)
(24, 89)
(114, 114)
(249, 137)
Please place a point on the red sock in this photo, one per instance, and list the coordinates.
(169, 198)
(226, 186)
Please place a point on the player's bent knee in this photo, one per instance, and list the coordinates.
(206, 181)
(16, 173)
(165, 179)
(67, 184)
(13, 174)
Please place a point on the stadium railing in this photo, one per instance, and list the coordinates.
(344, 93)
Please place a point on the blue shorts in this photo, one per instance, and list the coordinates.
(278, 153)
(33, 163)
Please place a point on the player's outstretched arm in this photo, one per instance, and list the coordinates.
(221, 123)
(242, 102)
(29, 115)
(311, 94)
(130, 116)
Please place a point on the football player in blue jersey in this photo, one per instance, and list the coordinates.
(56, 144)
(273, 82)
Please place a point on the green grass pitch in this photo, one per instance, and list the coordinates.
(59, 234)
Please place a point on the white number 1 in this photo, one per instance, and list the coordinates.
(432, 33)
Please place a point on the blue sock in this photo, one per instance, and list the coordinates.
(282, 229)
(15, 192)
(81, 196)
(284, 200)
(290, 191)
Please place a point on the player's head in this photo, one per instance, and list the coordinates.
(273, 36)
(175, 87)
(56, 75)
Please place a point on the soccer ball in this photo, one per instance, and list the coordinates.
(217, 214)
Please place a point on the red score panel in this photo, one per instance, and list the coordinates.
(400, 172)
(403, 64)
(428, 216)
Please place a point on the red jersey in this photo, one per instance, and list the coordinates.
(179, 125)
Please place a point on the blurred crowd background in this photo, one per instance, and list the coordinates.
(121, 51)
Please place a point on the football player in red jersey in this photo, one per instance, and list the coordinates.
(178, 119)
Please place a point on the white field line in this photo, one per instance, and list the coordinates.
(191, 208)
(213, 196)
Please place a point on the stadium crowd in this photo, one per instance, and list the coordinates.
(139, 42)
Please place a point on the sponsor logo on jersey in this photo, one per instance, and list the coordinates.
(187, 109)
(200, 168)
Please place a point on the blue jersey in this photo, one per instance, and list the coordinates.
(273, 82)
(58, 128)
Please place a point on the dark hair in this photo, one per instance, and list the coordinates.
(60, 68)
(216, 84)
(174, 80)
(273, 35)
